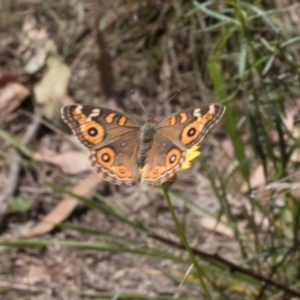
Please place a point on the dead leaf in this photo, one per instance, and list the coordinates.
(257, 179)
(70, 162)
(35, 274)
(34, 46)
(5, 79)
(51, 91)
(21, 287)
(227, 146)
(40, 53)
(63, 209)
(212, 225)
(289, 121)
(295, 156)
(11, 96)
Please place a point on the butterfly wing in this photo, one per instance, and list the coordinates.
(188, 127)
(111, 136)
(163, 160)
(174, 136)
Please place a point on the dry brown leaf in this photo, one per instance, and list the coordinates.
(288, 118)
(64, 208)
(40, 53)
(289, 121)
(21, 287)
(212, 225)
(257, 179)
(11, 96)
(70, 162)
(51, 91)
(295, 156)
(33, 46)
(228, 147)
(6, 78)
(35, 274)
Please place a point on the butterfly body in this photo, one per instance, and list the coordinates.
(123, 149)
(147, 135)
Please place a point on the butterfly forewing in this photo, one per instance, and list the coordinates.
(188, 127)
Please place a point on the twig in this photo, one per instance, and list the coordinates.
(275, 268)
(20, 287)
(11, 184)
(233, 267)
(185, 244)
(15, 167)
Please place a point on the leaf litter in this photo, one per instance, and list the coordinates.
(50, 91)
(65, 161)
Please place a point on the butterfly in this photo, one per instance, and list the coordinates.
(123, 148)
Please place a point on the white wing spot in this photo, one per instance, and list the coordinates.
(78, 109)
(212, 109)
(197, 113)
(95, 112)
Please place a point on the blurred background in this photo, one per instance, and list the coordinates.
(67, 234)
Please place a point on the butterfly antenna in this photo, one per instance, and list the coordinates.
(139, 102)
(175, 95)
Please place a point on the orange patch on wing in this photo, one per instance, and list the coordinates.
(208, 116)
(79, 117)
(110, 117)
(155, 172)
(183, 117)
(122, 120)
(122, 171)
(91, 131)
(106, 157)
(191, 132)
(173, 121)
(172, 159)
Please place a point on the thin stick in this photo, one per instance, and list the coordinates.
(232, 267)
(175, 94)
(140, 103)
(184, 241)
(15, 167)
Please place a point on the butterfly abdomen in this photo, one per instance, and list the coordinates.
(147, 135)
